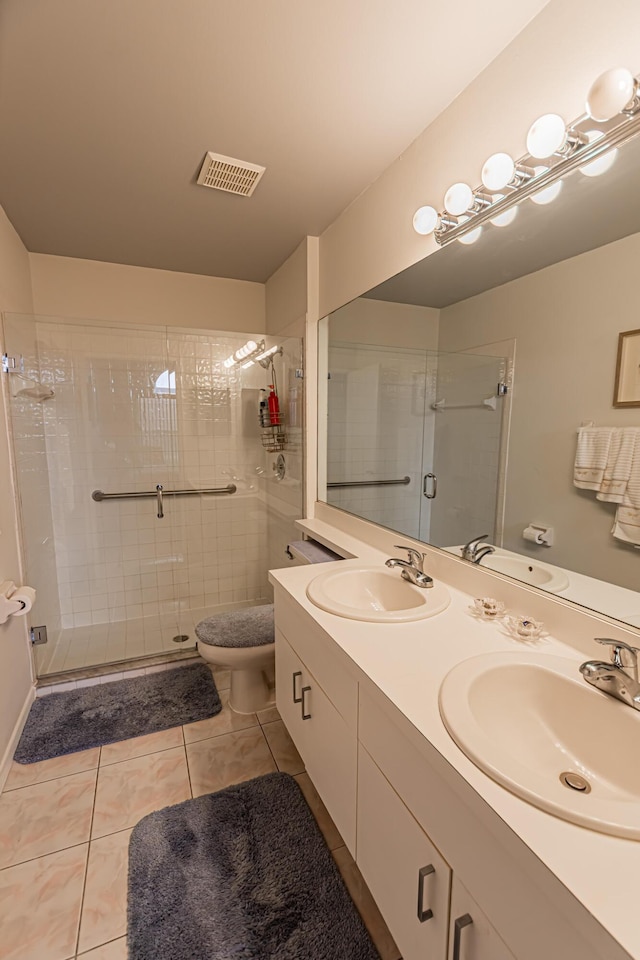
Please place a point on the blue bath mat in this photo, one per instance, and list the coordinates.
(242, 874)
(62, 723)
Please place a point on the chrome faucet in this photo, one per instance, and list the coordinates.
(412, 570)
(473, 550)
(612, 677)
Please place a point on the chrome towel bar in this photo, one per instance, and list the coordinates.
(159, 493)
(371, 483)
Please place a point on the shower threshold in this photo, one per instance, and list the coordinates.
(118, 667)
(114, 647)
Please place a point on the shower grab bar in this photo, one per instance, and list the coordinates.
(159, 493)
(371, 483)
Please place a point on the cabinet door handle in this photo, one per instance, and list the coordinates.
(422, 873)
(305, 715)
(296, 699)
(458, 926)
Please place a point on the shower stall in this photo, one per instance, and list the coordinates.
(416, 439)
(146, 483)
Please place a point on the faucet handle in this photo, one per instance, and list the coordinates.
(415, 557)
(616, 653)
(478, 540)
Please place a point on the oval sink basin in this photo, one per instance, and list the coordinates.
(528, 571)
(530, 720)
(375, 594)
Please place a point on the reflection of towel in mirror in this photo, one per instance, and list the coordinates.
(626, 525)
(621, 463)
(592, 456)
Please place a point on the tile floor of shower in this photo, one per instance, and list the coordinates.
(79, 648)
(65, 826)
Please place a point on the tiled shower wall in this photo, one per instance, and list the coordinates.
(380, 428)
(137, 407)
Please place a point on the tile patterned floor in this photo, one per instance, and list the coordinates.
(65, 826)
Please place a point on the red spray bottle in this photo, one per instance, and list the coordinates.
(274, 406)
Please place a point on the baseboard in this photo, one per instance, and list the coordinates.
(5, 763)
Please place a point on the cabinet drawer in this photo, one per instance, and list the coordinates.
(408, 878)
(325, 742)
(314, 648)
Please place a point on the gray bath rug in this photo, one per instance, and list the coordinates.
(62, 723)
(243, 874)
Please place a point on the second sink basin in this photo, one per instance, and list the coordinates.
(533, 572)
(531, 722)
(375, 594)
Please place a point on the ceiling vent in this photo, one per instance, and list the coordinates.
(232, 176)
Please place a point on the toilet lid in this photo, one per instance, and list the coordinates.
(249, 627)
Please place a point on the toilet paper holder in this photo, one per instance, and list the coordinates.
(14, 601)
(538, 533)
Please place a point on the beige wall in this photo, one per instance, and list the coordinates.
(286, 294)
(565, 321)
(386, 324)
(548, 67)
(90, 289)
(15, 654)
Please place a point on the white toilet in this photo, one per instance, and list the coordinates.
(243, 642)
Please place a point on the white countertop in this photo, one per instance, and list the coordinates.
(408, 662)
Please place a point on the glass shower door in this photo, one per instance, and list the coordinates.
(105, 568)
(467, 417)
(376, 403)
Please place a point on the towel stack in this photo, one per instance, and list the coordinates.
(608, 462)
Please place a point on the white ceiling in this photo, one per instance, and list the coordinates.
(107, 108)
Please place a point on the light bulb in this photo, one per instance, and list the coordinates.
(498, 171)
(249, 347)
(229, 362)
(249, 363)
(425, 220)
(504, 219)
(546, 136)
(458, 199)
(602, 163)
(610, 93)
(471, 237)
(549, 194)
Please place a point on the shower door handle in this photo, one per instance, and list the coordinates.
(159, 489)
(425, 485)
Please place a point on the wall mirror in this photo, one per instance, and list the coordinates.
(453, 395)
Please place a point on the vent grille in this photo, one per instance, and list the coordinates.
(230, 175)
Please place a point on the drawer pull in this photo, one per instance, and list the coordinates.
(305, 715)
(422, 873)
(459, 925)
(296, 699)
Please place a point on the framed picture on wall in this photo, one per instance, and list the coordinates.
(627, 389)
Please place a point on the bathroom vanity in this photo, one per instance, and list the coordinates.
(461, 868)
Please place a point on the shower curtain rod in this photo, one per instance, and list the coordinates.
(99, 495)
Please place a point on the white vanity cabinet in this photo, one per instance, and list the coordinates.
(451, 879)
(326, 740)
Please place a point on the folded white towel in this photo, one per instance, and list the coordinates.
(620, 463)
(626, 526)
(592, 455)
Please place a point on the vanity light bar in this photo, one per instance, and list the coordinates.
(613, 115)
(246, 352)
